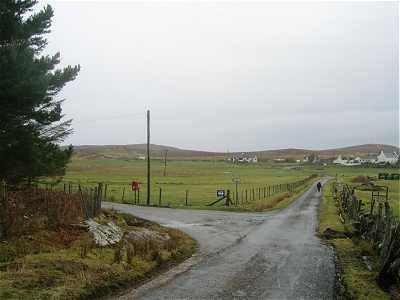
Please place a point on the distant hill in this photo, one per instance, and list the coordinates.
(138, 151)
(363, 149)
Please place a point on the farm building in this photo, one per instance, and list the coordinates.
(244, 158)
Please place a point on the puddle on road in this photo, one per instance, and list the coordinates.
(210, 223)
(176, 224)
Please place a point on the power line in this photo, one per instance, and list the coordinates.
(99, 119)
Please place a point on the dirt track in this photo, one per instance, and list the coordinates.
(245, 256)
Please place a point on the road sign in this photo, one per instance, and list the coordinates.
(220, 193)
(236, 179)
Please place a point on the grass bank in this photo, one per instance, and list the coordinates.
(66, 264)
(356, 260)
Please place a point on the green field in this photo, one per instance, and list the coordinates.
(201, 179)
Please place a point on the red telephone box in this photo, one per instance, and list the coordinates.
(135, 185)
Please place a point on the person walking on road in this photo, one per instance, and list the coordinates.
(319, 186)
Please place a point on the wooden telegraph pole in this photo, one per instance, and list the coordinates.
(148, 157)
(165, 162)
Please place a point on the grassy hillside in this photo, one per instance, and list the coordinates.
(127, 152)
(139, 150)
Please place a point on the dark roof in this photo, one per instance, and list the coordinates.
(244, 155)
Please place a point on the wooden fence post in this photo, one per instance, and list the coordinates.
(123, 194)
(228, 197)
(159, 199)
(99, 198)
(237, 197)
(94, 201)
(100, 191)
(83, 203)
(186, 197)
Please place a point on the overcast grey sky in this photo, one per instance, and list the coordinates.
(237, 76)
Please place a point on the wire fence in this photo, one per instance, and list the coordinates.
(180, 195)
(19, 206)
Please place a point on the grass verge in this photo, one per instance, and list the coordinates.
(45, 266)
(275, 202)
(357, 262)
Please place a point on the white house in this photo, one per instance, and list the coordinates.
(371, 159)
(339, 160)
(244, 158)
(344, 161)
(383, 157)
(353, 162)
(387, 157)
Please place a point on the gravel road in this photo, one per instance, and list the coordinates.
(273, 255)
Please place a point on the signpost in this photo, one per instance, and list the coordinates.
(220, 193)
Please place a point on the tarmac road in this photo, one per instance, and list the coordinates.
(273, 255)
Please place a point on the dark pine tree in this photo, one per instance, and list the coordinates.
(31, 121)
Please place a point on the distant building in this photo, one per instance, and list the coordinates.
(244, 158)
(370, 159)
(312, 158)
(347, 161)
(340, 161)
(387, 157)
(383, 157)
